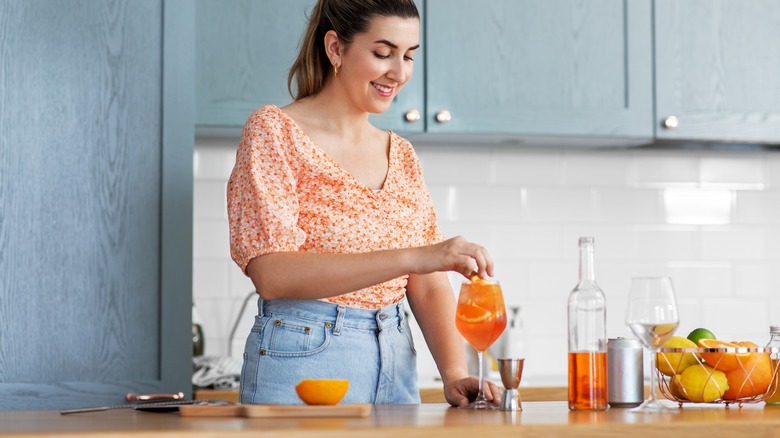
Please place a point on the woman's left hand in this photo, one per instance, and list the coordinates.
(463, 391)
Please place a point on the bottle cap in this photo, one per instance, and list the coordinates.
(774, 329)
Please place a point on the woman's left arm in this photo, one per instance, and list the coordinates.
(433, 304)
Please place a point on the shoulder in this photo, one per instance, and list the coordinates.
(268, 119)
(405, 152)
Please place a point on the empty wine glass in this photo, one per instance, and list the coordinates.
(652, 316)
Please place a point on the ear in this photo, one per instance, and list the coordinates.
(333, 47)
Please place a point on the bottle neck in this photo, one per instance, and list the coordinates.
(587, 272)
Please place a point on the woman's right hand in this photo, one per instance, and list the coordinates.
(458, 255)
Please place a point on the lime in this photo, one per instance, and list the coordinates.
(700, 333)
(675, 363)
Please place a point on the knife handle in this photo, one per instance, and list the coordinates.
(153, 397)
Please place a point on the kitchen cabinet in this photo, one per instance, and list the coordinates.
(554, 67)
(244, 50)
(561, 70)
(718, 70)
(95, 201)
(516, 67)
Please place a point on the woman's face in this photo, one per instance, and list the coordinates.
(379, 62)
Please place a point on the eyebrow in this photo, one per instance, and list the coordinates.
(395, 46)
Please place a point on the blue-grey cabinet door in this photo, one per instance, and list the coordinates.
(244, 50)
(718, 69)
(95, 200)
(529, 67)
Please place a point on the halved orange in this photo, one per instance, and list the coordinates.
(751, 377)
(721, 361)
(322, 391)
(472, 313)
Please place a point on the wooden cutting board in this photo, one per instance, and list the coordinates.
(277, 411)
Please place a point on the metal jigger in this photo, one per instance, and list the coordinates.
(511, 371)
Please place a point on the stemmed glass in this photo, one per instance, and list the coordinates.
(652, 316)
(480, 318)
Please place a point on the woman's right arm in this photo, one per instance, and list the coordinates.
(302, 275)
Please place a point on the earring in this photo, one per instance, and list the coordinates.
(335, 71)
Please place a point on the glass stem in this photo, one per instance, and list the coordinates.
(653, 358)
(481, 393)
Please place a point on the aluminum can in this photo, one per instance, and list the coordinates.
(625, 373)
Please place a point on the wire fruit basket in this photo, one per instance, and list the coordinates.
(718, 375)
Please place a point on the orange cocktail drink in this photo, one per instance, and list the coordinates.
(481, 318)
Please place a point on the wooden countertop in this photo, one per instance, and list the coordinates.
(538, 419)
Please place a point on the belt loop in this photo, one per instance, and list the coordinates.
(340, 312)
(259, 306)
(401, 315)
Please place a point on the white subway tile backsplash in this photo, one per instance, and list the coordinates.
(211, 238)
(477, 203)
(733, 243)
(209, 199)
(755, 279)
(703, 280)
(529, 168)
(209, 278)
(528, 208)
(758, 207)
(737, 319)
(214, 159)
(671, 243)
(527, 242)
(559, 205)
(733, 170)
(629, 206)
(612, 242)
(456, 166)
(656, 169)
(597, 168)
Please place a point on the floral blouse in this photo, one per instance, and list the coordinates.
(286, 194)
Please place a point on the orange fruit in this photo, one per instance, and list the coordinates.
(721, 361)
(751, 377)
(322, 391)
(472, 313)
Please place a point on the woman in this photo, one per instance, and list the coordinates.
(331, 219)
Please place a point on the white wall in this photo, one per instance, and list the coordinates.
(708, 219)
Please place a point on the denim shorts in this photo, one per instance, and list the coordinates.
(292, 340)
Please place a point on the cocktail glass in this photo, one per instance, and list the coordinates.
(481, 318)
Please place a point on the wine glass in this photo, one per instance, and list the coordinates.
(480, 318)
(652, 316)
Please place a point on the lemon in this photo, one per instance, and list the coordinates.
(676, 387)
(703, 383)
(700, 333)
(675, 363)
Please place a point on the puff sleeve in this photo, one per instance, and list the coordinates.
(261, 193)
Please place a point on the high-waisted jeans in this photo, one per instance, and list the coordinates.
(292, 340)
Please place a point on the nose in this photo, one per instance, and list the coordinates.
(400, 70)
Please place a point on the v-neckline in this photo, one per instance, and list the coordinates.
(321, 152)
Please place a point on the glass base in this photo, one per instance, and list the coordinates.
(655, 407)
(480, 403)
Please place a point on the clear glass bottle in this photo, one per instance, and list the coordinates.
(587, 316)
(774, 341)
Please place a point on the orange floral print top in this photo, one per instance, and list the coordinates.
(286, 194)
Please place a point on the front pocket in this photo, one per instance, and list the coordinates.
(294, 337)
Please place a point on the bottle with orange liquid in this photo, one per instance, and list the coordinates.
(774, 341)
(587, 315)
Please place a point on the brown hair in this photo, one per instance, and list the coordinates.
(347, 18)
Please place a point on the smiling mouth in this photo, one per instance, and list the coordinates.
(383, 90)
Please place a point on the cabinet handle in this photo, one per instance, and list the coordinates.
(443, 116)
(412, 115)
(671, 122)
